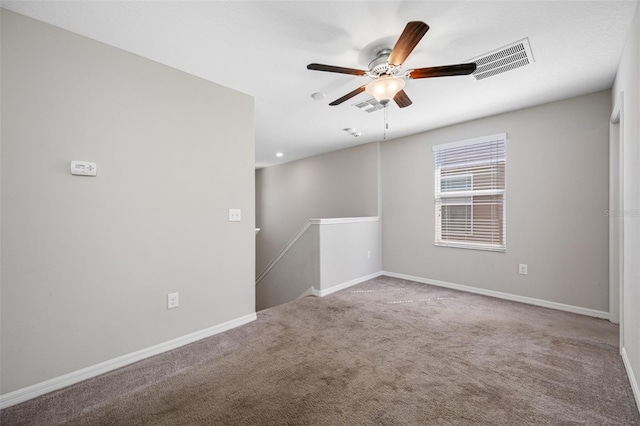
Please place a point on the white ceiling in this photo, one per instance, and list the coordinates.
(262, 48)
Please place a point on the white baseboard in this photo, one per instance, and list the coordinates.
(632, 377)
(65, 380)
(308, 292)
(506, 296)
(342, 286)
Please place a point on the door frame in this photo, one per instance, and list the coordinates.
(616, 216)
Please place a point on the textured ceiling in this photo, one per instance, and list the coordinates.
(262, 48)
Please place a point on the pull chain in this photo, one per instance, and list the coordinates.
(386, 122)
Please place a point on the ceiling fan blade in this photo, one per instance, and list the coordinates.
(331, 68)
(443, 71)
(348, 96)
(402, 99)
(410, 37)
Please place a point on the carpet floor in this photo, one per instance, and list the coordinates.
(384, 352)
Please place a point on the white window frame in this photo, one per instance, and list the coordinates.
(440, 195)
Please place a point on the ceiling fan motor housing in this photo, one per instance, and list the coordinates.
(380, 65)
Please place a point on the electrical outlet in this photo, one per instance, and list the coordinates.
(368, 254)
(173, 300)
(522, 269)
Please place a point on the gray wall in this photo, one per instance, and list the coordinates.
(87, 262)
(294, 274)
(628, 81)
(557, 195)
(339, 184)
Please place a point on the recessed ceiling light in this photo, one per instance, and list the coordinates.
(279, 154)
(318, 96)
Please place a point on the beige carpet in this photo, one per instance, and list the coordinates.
(384, 352)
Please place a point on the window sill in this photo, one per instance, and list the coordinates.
(499, 249)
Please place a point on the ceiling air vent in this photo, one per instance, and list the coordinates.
(369, 105)
(505, 59)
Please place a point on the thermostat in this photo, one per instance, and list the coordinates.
(84, 168)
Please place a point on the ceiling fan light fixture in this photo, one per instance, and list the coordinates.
(385, 87)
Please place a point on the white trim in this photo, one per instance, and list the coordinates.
(617, 118)
(301, 231)
(65, 380)
(616, 115)
(308, 292)
(473, 246)
(470, 193)
(342, 286)
(616, 225)
(632, 378)
(496, 137)
(311, 291)
(338, 220)
(506, 296)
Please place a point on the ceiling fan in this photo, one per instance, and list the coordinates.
(386, 69)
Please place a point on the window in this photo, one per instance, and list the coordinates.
(458, 211)
(470, 193)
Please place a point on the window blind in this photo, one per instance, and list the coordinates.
(470, 193)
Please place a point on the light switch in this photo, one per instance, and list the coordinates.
(235, 215)
(173, 300)
(84, 168)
